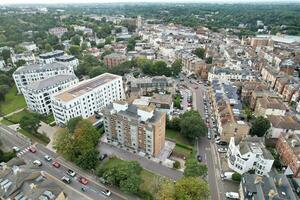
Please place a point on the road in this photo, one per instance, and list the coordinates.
(93, 188)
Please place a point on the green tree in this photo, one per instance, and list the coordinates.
(192, 125)
(96, 71)
(30, 123)
(200, 52)
(88, 159)
(166, 192)
(75, 40)
(176, 164)
(72, 123)
(176, 67)
(194, 169)
(260, 126)
(191, 188)
(20, 63)
(131, 184)
(131, 44)
(209, 60)
(48, 47)
(6, 55)
(236, 177)
(75, 50)
(64, 145)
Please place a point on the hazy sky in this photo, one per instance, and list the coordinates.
(114, 1)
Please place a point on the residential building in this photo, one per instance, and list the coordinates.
(256, 42)
(114, 59)
(28, 57)
(29, 46)
(227, 74)
(269, 106)
(30, 73)
(274, 186)
(58, 31)
(68, 59)
(144, 85)
(140, 128)
(249, 87)
(24, 182)
(282, 124)
(39, 93)
(258, 94)
(288, 148)
(249, 154)
(49, 57)
(87, 97)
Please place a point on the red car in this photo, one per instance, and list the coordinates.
(32, 149)
(56, 164)
(83, 180)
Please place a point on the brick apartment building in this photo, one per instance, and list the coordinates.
(114, 59)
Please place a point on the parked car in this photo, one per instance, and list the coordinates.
(222, 143)
(56, 164)
(32, 149)
(227, 175)
(208, 134)
(66, 180)
(71, 173)
(103, 156)
(199, 158)
(232, 195)
(83, 180)
(106, 192)
(16, 149)
(222, 150)
(37, 163)
(47, 158)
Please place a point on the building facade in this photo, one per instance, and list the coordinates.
(140, 128)
(114, 59)
(38, 94)
(87, 98)
(49, 57)
(25, 75)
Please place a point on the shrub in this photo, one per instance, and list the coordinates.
(176, 164)
(237, 177)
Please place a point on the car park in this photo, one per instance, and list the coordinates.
(47, 158)
(83, 180)
(106, 192)
(32, 149)
(66, 180)
(71, 173)
(37, 163)
(56, 164)
(232, 195)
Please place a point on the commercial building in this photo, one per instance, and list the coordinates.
(249, 154)
(140, 128)
(87, 97)
(30, 73)
(49, 57)
(38, 94)
(114, 59)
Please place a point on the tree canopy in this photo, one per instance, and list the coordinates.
(194, 169)
(260, 126)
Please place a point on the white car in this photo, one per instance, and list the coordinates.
(222, 150)
(47, 158)
(71, 173)
(106, 192)
(16, 149)
(232, 195)
(37, 163)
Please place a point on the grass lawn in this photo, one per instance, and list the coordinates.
(12, 102)
(40, 138)
(151, 182)
(5, 122)
(48, 119)
(175, 135)
(182, 151)
(18, 116)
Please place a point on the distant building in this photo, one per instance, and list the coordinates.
(50, 57)
(30, 73)
(87, 97)
(39, 93)
(29, 46)
(282, 125)
(140, 128)
(28, 57)
(58, 31)
(68, 59)
(250, 153)
(114, 59)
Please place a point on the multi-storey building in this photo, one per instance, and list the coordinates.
(68, 59)
(87, 97)
(282, 125)
(49, 57)
(38, 94)
(31, 73)
(248, 154)
(269, 106)
(58, 31)
(227, 74)
(114, 59)
(140, 128)
(288, 148)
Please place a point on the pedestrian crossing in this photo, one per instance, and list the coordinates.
(24, 151)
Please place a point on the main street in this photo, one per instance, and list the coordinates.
(93, 188)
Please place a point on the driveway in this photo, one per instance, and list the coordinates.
(144, 162)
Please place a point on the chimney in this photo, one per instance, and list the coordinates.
(272, 194)
(258, 179)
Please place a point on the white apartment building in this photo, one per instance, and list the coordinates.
(38, 94)
(49, 57)
(69, 60)
(87, 97)
(227, 74)
(250, 153)
(30, 73)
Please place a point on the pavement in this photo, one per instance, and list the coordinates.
(144, 162)
(93, 189)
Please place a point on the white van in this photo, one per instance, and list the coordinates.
(227, 175)
(37, 163)
(232, 195)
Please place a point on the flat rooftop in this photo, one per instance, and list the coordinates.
(85, 86)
